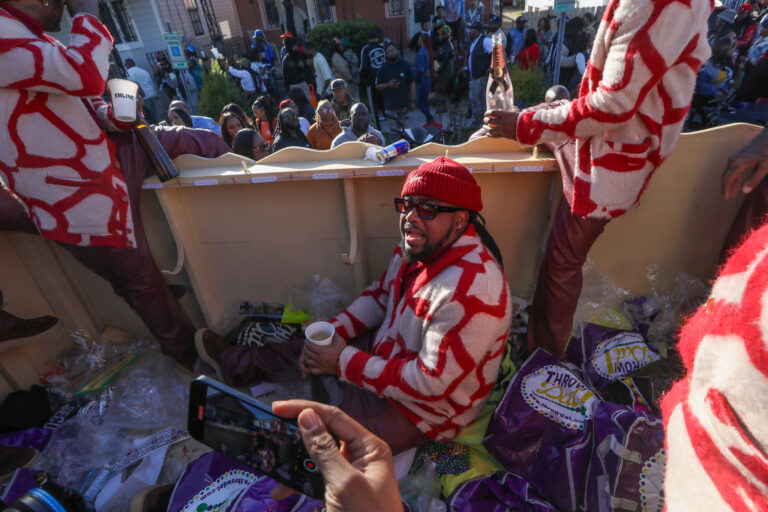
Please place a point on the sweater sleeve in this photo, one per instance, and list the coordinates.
(179, 140)
(641, 51)
(460, 337)
(36, 64)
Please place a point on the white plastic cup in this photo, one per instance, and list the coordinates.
(123, 93)
(320, 333)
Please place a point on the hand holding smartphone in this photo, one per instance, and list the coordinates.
(246, 430)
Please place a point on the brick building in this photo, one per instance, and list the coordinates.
(397, 18)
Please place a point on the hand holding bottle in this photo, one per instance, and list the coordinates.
(501, 123)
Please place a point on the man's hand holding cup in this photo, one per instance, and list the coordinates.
(322, 350)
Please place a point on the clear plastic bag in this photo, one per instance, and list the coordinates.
(148, 396)
(320, 296)
(678, 295)
(421, 487)
(80, 448)
(601, 301)
(89, 358)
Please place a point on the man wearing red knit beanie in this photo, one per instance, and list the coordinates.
(441, 314)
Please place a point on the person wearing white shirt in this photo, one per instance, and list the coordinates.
(323, 74)
(246, 79)
(144, 79)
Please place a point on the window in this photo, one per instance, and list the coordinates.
(194, 16)
(118, 21)
(324, 11)
(123, 20)
(395, 8)
(106, 17)
(272, 16)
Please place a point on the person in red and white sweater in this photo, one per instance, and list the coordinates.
(632, 102)
(63, 176)
(714, 418)
(441, 312)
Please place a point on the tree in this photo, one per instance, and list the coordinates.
(219, 91)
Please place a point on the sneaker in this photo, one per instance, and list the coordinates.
(28, 328)
(13, 458)
(154, 498)
(208, 345)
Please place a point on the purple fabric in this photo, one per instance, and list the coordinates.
(36, 438)
(542, 431)
(23, 480)
(628, 459)
(219, 482)
(497, 493)
(606, 355)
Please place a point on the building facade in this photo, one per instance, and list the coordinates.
(397, 18)
(138, 25)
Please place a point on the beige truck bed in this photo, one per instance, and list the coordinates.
(235, 230)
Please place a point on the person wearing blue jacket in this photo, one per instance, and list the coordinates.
(265, 54)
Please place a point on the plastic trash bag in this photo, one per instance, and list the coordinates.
(542, 431)
(500, 492)
(420, 488)
(320, 296)
(606, 358)
(81, 447)
(628, 461)
(602, 301)
(216, 482)
(149, 395)
(678, 294)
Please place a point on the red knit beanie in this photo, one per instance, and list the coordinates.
(445, 180)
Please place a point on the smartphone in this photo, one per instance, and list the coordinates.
(246, 430)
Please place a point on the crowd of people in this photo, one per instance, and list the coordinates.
(737, 72)
(450, 62)
(420, 348)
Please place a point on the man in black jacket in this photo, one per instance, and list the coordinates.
(288, 132)
(371, 59)
(296, 70)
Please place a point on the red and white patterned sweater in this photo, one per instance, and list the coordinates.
(437, 350)
(54, 155)
(632, 102)
(715, 417)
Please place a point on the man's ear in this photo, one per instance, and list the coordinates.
(462, 219)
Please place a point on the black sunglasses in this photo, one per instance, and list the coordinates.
(423, 210)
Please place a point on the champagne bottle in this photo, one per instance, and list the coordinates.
(499, 94)
(159, 159)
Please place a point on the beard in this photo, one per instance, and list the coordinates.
(429, 249)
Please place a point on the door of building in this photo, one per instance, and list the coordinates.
(419, 10)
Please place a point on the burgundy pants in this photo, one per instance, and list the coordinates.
(752, 214)
(242, 366)
(132, 273)
(7, 321)
(560, 278)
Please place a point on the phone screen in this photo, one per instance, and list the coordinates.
(247, 431)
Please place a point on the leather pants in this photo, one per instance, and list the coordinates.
(560, 278)
(133, 273)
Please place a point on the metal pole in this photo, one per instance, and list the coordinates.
(558, 46)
